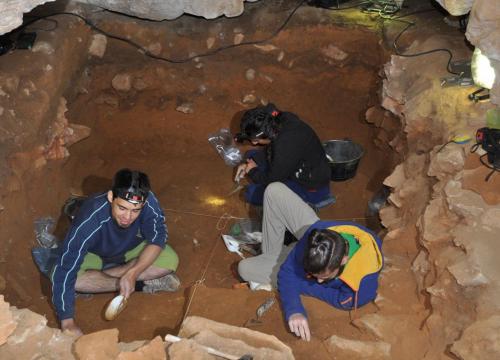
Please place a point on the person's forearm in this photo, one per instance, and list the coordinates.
(145, 260)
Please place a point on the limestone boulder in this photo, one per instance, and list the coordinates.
(102, 345)
(171, 9)
(480, 340)
(154, 350)
(446, 161)
(7, 323)
(465, 203)
(456, 7)
(234, 340)
(356, 349)
(12, 12)
(436, 222)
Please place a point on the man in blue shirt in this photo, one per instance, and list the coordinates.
(338, 262)
(117, 242)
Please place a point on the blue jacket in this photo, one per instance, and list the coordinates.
(356, 286)
(94, 230)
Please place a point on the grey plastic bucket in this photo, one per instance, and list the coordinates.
(344, 157)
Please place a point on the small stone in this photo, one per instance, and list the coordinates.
(186, 108)
(199, 65)
(139, 84)
(122, 82)
(281, 55)
(264, 101)
(154, 48)
(334, 53)
(266, 48)
(250, 74)
(266, 77)
(1, 111)
(238, 38)
(202, 89)
(249, 99)
(210, 42)
(48, 68)
(43, 46)
(98, 46)
(237, 30)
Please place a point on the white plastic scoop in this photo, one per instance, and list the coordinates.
(115, 307)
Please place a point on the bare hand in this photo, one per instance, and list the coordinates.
(70, 326)
(250, 165)
(240, 172)
(299, 326)
(127, 284)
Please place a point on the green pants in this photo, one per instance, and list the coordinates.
(167, 259)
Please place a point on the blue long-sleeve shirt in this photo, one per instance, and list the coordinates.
(94, 230)
(357, 284)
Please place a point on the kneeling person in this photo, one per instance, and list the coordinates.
(337, 262)
(116, 242)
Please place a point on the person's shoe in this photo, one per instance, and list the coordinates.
(258, 286)
(169, 282)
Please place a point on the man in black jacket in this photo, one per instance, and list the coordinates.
(293, 155)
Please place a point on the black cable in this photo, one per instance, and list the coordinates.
(493, 168)
(410, 24)
(176, 61)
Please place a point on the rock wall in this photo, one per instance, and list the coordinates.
(171, 9)
(12, 10)
(442, 189)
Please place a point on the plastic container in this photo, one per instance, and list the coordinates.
(344, 157)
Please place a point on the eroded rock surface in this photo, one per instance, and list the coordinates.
(442, 189)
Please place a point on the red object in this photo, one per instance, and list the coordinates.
(275, 113)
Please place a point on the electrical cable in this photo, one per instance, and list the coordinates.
(170, 60)
(410, 24)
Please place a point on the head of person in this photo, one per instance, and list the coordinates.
(127, 196)
(326, 254)
(260, 125)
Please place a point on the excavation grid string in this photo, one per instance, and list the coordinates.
(221, 225)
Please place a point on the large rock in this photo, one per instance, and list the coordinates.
(7, 323)
(356, 349)
(12, 12)
(481, 340)
(456, 7)
(171, 9)
(100, 345)
(234, 340)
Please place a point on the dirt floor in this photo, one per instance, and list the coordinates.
(141, 129)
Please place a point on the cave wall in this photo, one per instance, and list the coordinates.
(442, 191)
(12, 10)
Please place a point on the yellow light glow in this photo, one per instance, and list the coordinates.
(482, 71)
(215, 201)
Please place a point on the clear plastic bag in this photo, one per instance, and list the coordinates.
(223, 143)
(43, 232)
(247, 230)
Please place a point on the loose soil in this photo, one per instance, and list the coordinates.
(141, 129)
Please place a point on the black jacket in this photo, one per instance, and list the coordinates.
(295, 154)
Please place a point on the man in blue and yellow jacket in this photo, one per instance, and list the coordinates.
(337, 262)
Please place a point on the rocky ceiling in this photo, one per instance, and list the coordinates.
(12, 10)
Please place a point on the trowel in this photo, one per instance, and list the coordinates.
(240, 174)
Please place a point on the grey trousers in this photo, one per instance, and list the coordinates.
(283, 210)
